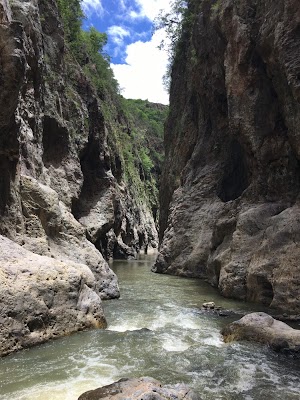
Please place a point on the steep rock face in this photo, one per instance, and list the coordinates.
(42, 137)
(58, 170)
(53, 131)
(230, 188)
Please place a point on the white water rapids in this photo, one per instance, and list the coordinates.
(155, 329)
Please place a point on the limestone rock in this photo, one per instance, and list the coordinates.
(43, 298)
(53, 231)
(62, 194)
(53, 131)
(230, 186)
(210, 305)
(140, 389)
(5, 11)
(261, 327)
(114, 223)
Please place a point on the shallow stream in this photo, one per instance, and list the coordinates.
(155, 329)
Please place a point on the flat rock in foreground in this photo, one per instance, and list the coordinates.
(261, 327)
(140, 388)
(42, 298)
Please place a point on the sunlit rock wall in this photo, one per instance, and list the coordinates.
(62, 195)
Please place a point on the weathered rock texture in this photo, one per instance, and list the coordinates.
(42, 298)
(62, 194)
(230, 189)
(262, 328)
(140, 389)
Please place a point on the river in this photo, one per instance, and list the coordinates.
(155, 329)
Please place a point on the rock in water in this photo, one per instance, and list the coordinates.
(43, 298)
(230, 188)
(261, 327)
(141, 389)
(209, 305)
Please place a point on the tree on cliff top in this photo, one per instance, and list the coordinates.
(87, 48)
(175, 24)
(171, 22)
(72, 15)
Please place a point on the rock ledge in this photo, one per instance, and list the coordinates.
(140, 388)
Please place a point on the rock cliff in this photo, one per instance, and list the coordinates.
(230, 188)
(62, 192)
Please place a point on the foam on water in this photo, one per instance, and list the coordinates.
(246, 377)
(68, 390)
(182, 319)
(124, 328)
(215, 340)
(173, 343)
(182, 345)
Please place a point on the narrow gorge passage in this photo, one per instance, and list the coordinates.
(155, 329)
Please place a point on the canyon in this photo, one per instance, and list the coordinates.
(229, 191)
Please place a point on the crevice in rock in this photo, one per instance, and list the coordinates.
(261, 290)
(35, 324)
(7, 175)
(55, 141)
(95, 163)
(235, 178)
(222, 230)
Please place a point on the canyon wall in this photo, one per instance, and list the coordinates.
(230, 187)
(64, 203)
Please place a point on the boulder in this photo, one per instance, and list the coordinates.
(209, 305)
(140, 389)
(261, 327)
(43, 298)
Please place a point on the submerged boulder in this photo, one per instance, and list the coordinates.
(140, 388)
(261, 327)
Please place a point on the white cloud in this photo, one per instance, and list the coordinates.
(151, 8)
(122, 4)
(117, 34)
(90, 6)
(141, 76)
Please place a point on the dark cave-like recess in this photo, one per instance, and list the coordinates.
(235, 178)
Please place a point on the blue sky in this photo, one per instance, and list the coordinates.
(137, 62)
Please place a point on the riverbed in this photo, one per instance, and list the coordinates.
(157, 329)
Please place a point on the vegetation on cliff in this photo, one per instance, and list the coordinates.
(136, 125)
(144, 150)
(177, 24)
(87, 48)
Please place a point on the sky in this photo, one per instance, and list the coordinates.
(137, 62)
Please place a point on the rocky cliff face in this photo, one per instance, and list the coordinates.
(62, 194)
(230, 189)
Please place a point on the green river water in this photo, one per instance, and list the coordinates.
(180, 344)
